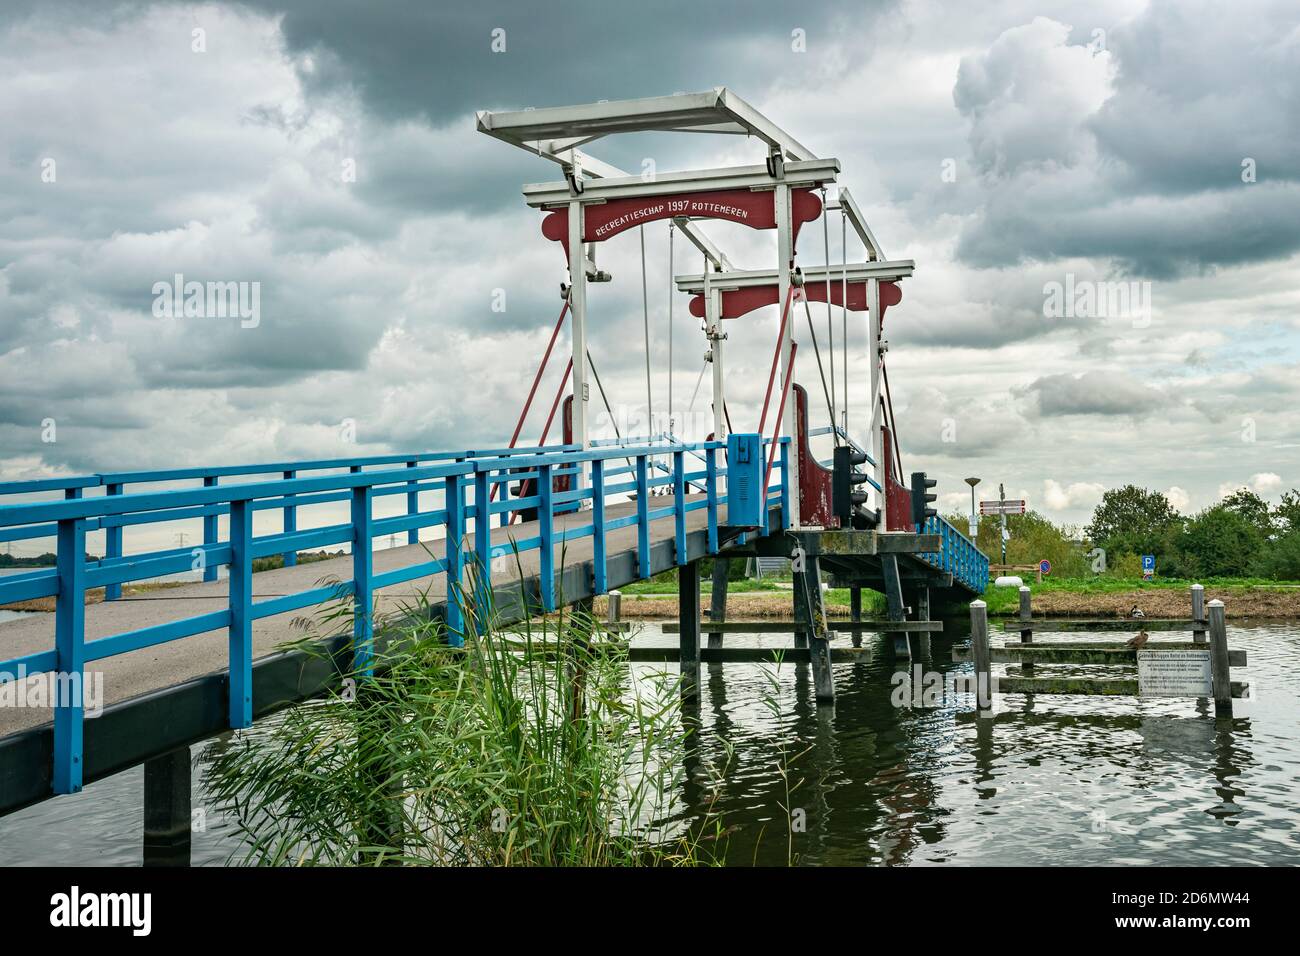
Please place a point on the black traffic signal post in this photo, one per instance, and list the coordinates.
(921, 499)
(847, 498)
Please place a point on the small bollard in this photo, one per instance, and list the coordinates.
(1219, 669)
(979, 642)
(613, 607)
(1198, 614)
(1026, 630)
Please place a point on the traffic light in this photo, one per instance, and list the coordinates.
(845, 498)
(921, 498)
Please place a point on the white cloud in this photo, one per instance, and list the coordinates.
(1178, 498)
(1029, 96)
(1078, 494)
(1263, 484)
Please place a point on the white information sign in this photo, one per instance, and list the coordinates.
(1169, 673)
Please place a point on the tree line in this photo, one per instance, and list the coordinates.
(1241, 536)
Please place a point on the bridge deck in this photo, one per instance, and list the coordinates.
(164, 665)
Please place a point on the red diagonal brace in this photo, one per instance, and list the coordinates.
(776, 354)
(559, 323)
(780, 414)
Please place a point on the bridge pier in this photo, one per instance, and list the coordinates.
(901, 640)
(167, 809)
(855, 612)
(802, 611)
(718, 597)
(688, 621)
(921, 640)
(811, 626)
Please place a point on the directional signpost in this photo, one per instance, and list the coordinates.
(1003, 506)
(1015, 506)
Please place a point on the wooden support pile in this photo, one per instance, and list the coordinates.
(811, 629)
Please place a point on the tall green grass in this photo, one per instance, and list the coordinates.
(533, 746)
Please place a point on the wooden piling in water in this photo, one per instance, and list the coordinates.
(979, 641)
(1026, 615)
(897, 608)
(920, 641)
(855, 613)
(1198, 613)
(167, 809)
(688, 621)
(718, 598)
(1219, 668)
(1026, 628)
(809, 582)
(802, 611)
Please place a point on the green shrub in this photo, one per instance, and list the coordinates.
(1281, 560)
(1218, 542)
(1126, 565)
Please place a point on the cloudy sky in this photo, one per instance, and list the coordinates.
(1005, 147)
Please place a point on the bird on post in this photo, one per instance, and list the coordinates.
(1137, 642)
(1136, 611)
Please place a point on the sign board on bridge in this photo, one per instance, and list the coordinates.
(1003, 506)
(1169, 673)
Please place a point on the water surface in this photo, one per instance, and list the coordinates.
(1046, 781)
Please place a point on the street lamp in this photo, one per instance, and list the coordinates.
(974, 520)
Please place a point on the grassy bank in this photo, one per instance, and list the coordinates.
(1115, 597)
(1065, 597)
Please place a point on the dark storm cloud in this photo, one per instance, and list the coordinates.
(1197, 93)
(1094, 393)
(422, 69)
(1133, 150)
(434, 60)
(1152, 236)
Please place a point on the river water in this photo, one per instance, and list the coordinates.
(1045, 781)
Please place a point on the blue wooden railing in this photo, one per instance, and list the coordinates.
(116, 483)
(465, 481)
(957, 555)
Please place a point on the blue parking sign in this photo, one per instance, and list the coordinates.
(1148, 567)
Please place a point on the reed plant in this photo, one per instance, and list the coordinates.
(533, 745)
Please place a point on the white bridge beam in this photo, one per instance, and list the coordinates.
(886, 271)
(815, 172)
